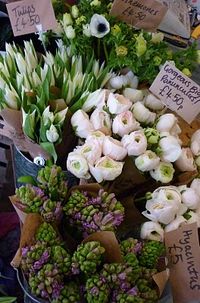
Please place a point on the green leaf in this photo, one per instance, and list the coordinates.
(7, 299)
(49, 147)
(78, 105)
(27, 179)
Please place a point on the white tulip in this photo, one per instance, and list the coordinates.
(3, 83)
(81, 124)
(70, 32)
(106, 169)
(147, 161)
(143, 114)
(30, 56)
(191, 198)
(52, 134)
(124, 123)
(99, 26)
(86, 30)
(186, 161)
(135, 143)
(49, 59)
(91, 151)
(196, 185)
(10, 49)
(21, 63)
(114, 149)
(118, 103)
(164, 172)
(153, 102)
(175, 224)
(194, 218)
(36, 81)
(77, 165)
(170, 147)
(60, 116)
(11, 97)
(47, 116)
(168, 123)
(133, 94)
(101, 120)
(95, 136)
(195, 143)
(152, 231)
(95, 99)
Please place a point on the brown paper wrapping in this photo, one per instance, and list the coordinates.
(161, 279)
(18, 208)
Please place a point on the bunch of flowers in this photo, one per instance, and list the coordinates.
(90, 26)
(46, 90)
(169, 207)
(46, 195)
(91, 214)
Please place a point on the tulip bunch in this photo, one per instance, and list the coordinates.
(43, 89)
(90, 26)
(169, 208)
(91, 214)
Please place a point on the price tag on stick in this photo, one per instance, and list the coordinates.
(178, 92)
(26, 15)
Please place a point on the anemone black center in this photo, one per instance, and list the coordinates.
(101, 28)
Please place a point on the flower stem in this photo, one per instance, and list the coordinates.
(140, 199)
(105, 51)
(98, 48)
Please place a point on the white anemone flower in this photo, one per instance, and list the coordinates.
(152, 231)
(99, 26)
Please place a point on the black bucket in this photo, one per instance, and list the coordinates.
(23, 166)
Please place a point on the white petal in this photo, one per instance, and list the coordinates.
(175, 224)
(114, 149)
(190, 198)
(118, 104)
(135, 143)
(152, 231)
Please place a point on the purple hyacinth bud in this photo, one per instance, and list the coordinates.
(39, 192)
(133, 291)
(94, 291)
(97, 218)
(56, 289)
(124, 286)
(24, 251)
(122, 276)
(77, 216)
(107, 219)
(37, 265)
(75, 269)
(138, 248)
(44, 294)
(118, 218)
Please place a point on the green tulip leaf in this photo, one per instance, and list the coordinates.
(49, 147)
(27, 180)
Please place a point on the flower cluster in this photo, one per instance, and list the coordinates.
(46, 196)
(170, 207)
(91, 214)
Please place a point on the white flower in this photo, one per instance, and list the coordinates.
(95, 3)
(147, 161)
(95, 136)
(52, 134)
(175, 224)
(194, 218)
(36, 81)
(21, 63)
(11, 97)
(114, 149)
(132, 79)
(168, 123)
(58, 30)
(30, 56)
(77, 165)
(135, 143)
(195, 143)
(157, 37)
(70, 32)
(153, 102)
(99, 26)
(196, 185)
(75, 11)
(91, 151)
(171, 149)
(118, 82)
(81, 124)
(186, 161)
(47, 116)
(95, 99)
(86, 30)
(133, 94)
(106, 169)
(164, 172)
(10, 49)
(152, 231)
(143, 114)
(191, 198)
(101, 120)
(60, 116)
(124, 123)
(118, 103)
(67, 20)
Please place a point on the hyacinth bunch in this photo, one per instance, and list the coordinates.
(170, 207)
(47, 195)
(90, 214)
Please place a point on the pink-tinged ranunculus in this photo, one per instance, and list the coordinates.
(91, 151)
(170, 148)
(118, 104)
(147, 161)
(114, 149)
(124, 123)
(153, 102)
(195, 143)
(81, 124)
(101, 120)
(135, 143)
(196, 185)
(186, 161)
(168, 123)
(96, 135)
(95, 99)
(77, 165)
(143, 114)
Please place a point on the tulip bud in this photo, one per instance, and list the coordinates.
(52, 134)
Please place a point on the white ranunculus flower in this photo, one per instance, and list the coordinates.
(164, 172)
(101, 120)
(91, 151)
(124, 123)
(11, 97)
(143, 114)
(157, 37)
(96, 135)
(114, 149)
(195, 143)
(135, 143)
(194, 218)
(70, 32)
(81, 124)
(67, 20)
(153, 102)
(74, 11)
(191, 198)
(86, 30)
(106, 169)
(133, 94)
(186, 161)
(168, 123)
(118, 82)
(77, 165)
(170, 147)
(95, 99)
(118, 104)
(152, 231)
(132, 80)
(99, 26)
(196, 185)
(52, 134)
(147, 161)
(175, 224)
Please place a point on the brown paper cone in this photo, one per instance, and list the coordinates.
(19, 210)
(161, 279)
(108, 240)
(92, 188)
(13, 118)
(35, 150)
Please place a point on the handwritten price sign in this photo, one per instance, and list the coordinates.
(26, 15)
(178, 92)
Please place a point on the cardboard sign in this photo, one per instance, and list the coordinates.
(178, 92)
(141, 13)
(183, 252)
(25, 16)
